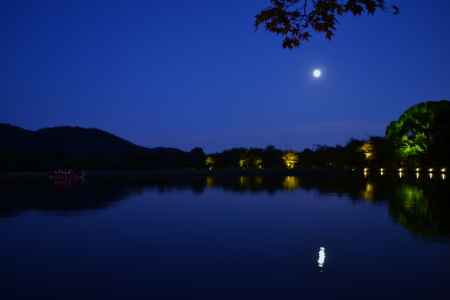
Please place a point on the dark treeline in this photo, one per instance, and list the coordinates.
(418, 139)
(355, 154)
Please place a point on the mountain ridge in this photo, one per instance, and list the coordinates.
(74, 146)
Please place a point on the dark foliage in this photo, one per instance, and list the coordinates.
(295, 20)
(253, 158)
(349, 156)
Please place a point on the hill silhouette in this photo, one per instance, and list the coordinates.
(87, 148)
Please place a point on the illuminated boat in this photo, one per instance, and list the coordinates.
(66, 176)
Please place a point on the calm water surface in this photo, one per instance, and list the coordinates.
(216, 238)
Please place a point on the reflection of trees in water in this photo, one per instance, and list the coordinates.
(368, 193)
(291, 183)
(17, 199)
(421, 207)
(424, 211)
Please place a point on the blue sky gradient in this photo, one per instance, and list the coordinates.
(195, 73)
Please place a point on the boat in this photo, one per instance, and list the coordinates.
(66, 176)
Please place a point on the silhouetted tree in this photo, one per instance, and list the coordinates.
(354, 155)
(272, 157)
(384, 152)
(294, 20)
(198, 157)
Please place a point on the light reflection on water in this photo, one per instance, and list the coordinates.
(291, 183)
(410, 203)
(210, 181)
(321, 258)
(244, 181)
(247, 229)
(368, 192)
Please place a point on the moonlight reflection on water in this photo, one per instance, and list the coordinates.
(322, 258)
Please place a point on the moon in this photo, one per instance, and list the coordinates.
(317, 73)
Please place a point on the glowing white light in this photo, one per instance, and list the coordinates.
(443, 170)
(430, 175)
(430, 170)
(400, 174)
(322, 257)
(317, 73)
(443, 176)
(418, 170)
(366, 172)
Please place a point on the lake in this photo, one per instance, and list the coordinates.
(320, 237)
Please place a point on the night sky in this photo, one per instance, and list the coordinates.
(195, 73)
